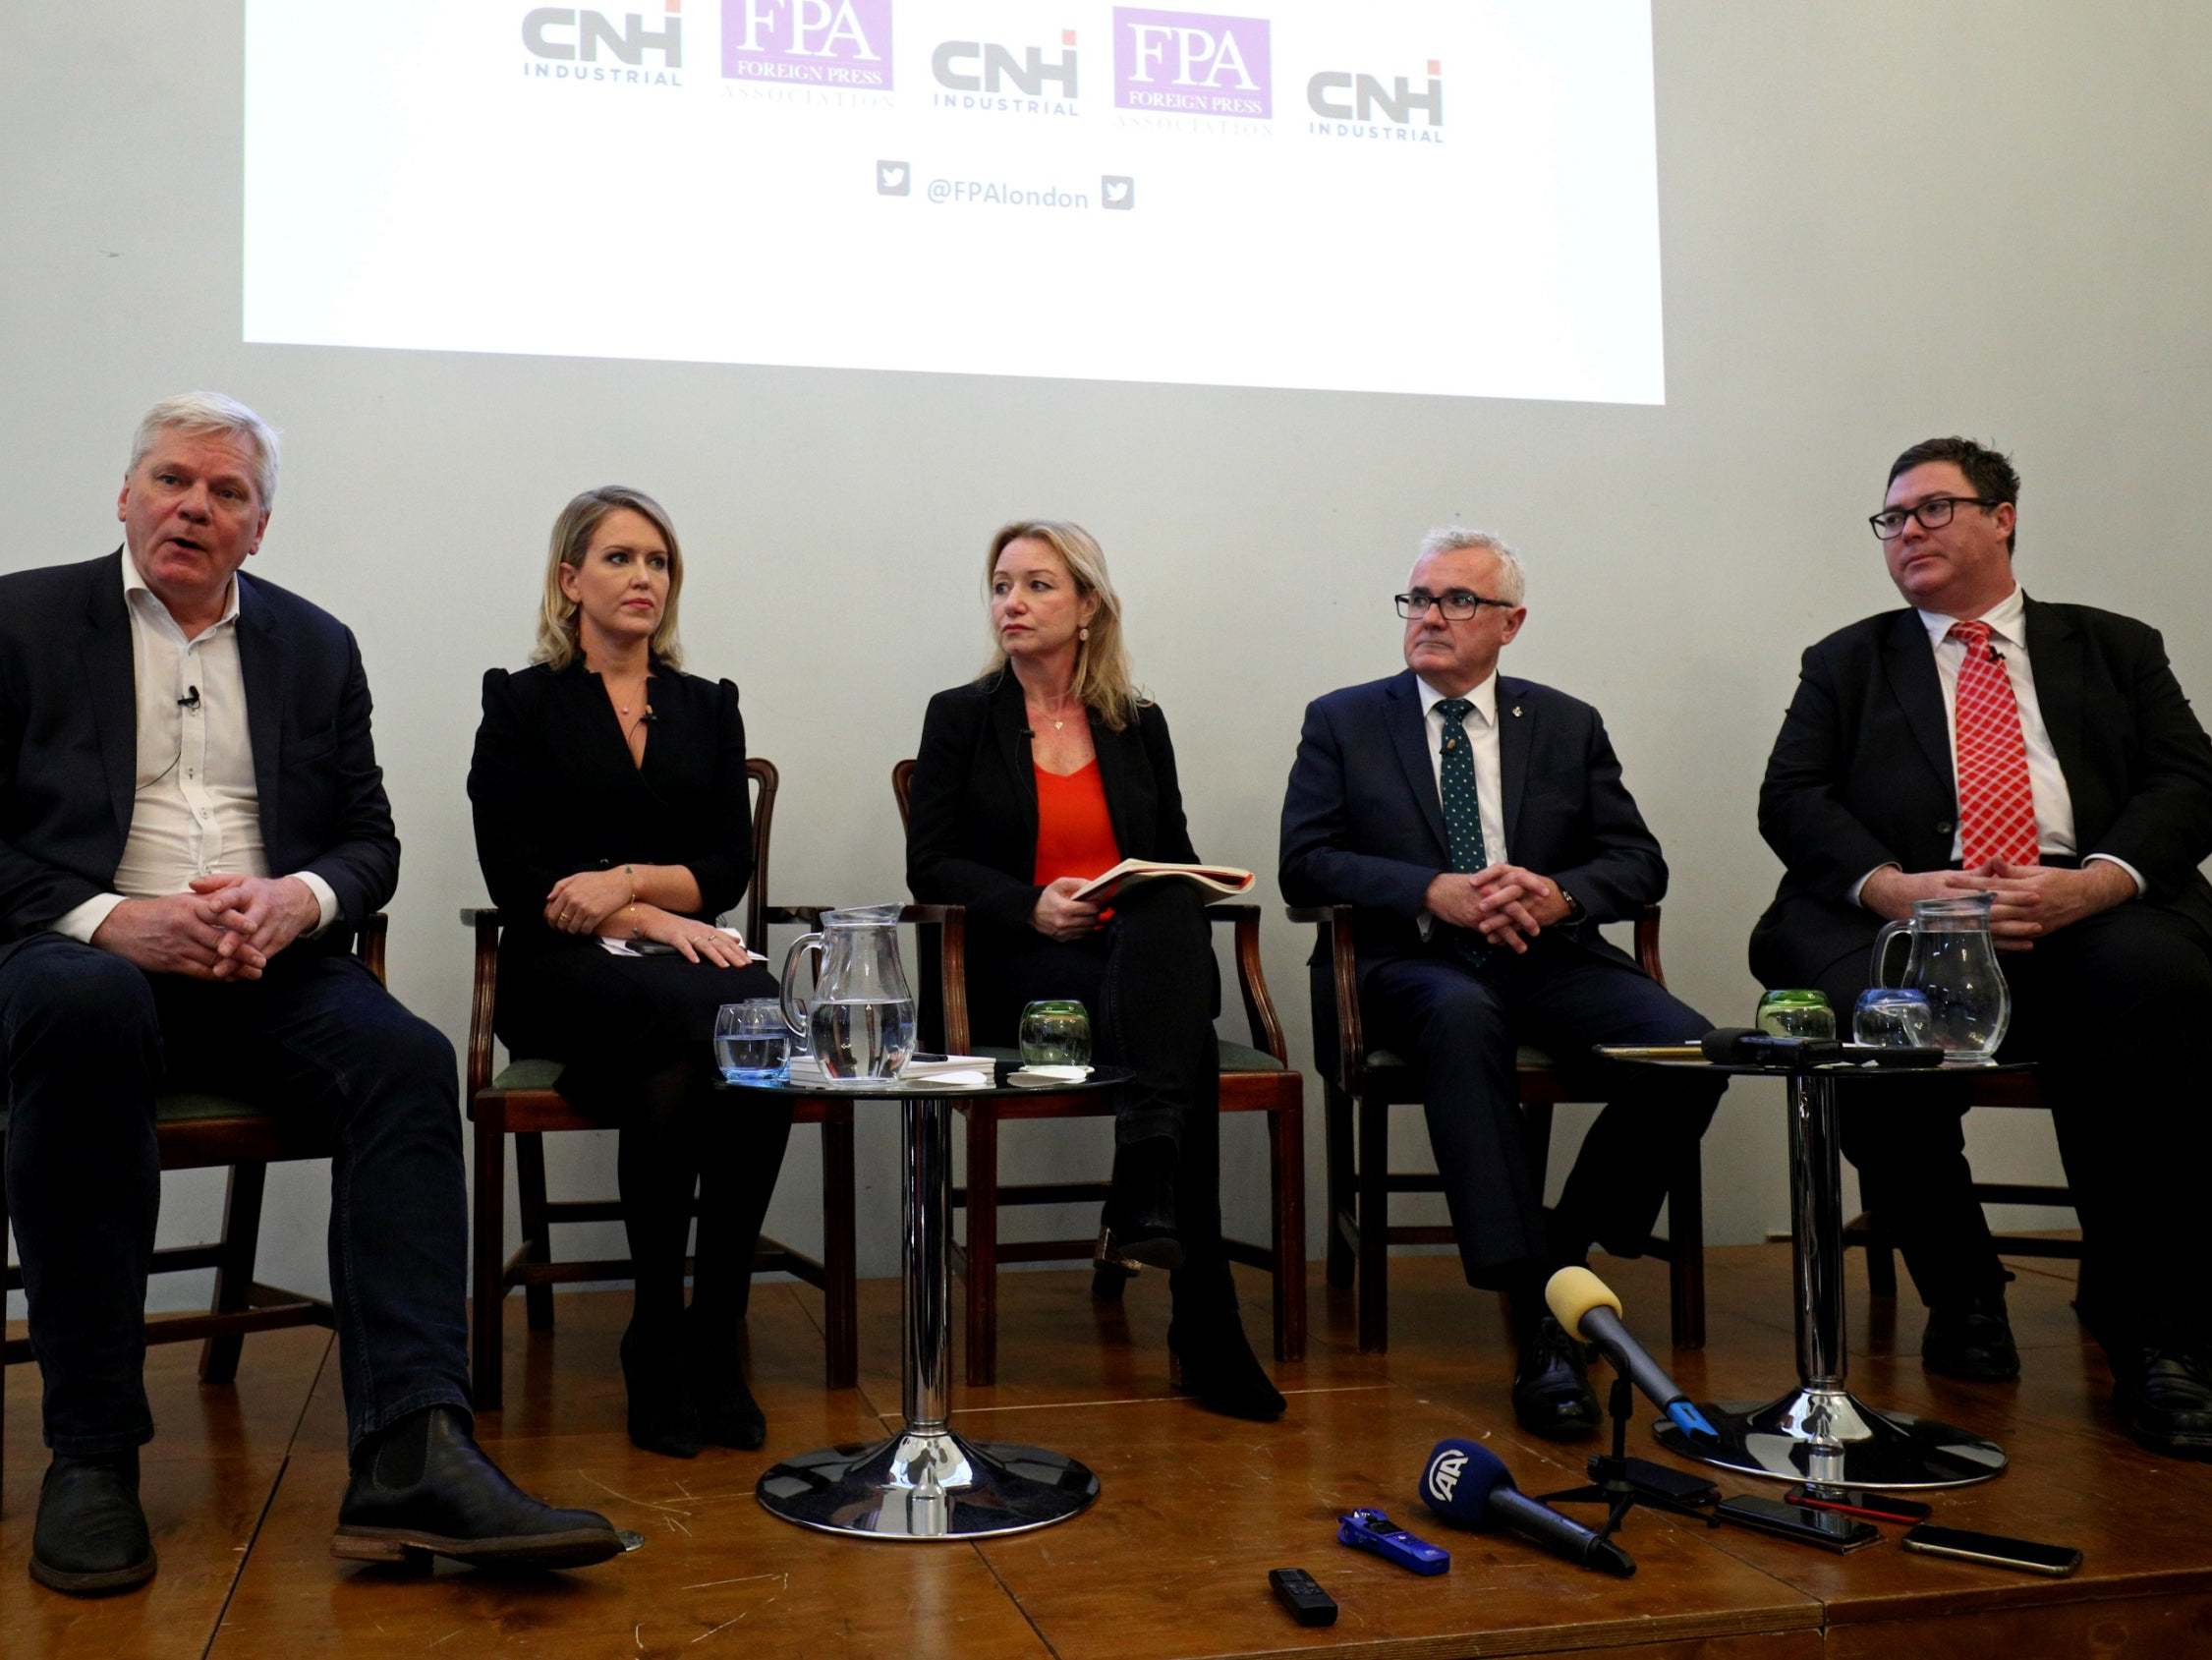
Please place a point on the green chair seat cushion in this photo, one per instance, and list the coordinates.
(186, 1106)
(529, 1074)
(1235, 1056)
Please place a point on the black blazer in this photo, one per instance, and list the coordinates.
(971, 835)
(1362, 824)
(68, 733)
(1861, 773)
(554, 790)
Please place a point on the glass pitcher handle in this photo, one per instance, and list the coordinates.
(1889, 931)
(787, 992)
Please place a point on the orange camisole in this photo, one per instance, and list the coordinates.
(1074, 830)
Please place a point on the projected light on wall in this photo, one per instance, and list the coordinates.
(1435, 197)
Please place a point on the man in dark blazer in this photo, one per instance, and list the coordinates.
(2101, 917)
(192, 825)
(1481, 827)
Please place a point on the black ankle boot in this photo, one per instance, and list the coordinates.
(728, 1415)
(1213, 1360)
(1141, 1212)
(662, 1418)
(90, 1536)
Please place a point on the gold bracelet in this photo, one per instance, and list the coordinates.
(631, 871)
(632, 908)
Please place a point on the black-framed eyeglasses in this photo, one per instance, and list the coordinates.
(1933, 514)
(1457, 606)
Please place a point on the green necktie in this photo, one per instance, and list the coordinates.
(1462, 807)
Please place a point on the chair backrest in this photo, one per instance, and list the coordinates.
(902, 786)
(760, 775)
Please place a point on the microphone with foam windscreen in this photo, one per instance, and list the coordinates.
(1466, 1485)
(1582, 1302)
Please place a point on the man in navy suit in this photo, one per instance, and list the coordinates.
(1481, 827)
(191, 827)
(2104, 920)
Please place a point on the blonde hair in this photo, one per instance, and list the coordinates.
(558, 643)
(1102, 682)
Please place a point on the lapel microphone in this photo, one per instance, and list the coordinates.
(191, 699)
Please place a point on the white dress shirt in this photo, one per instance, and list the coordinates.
(2054, 802)
(196, 809)
(1481, 725)
(1481, 728)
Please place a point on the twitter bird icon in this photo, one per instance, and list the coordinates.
(1118, 191)
(891, 177)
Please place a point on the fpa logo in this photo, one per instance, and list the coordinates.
(1444, 1474)
(1191, 63)
(568, 35)
(845, 44)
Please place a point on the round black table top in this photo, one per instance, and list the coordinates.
(1687, 1056)
(893, 1089)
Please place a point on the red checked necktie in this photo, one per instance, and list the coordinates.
(1996, 805)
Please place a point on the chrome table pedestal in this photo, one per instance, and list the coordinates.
(928, 1482)
(1820, 1432)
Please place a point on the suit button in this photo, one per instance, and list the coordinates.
(1943, 826)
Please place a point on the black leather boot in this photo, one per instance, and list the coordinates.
(91, 1537)
(1141, 1213)
(423, 1487)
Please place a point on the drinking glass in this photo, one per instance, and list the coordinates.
(1796, 1013)
(1056, 1032)
(749, 1041)
(1894, 1018)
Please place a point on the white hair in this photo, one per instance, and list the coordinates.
(199, 414)
(1513, 582)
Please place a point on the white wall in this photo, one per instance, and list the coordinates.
(1880, 222)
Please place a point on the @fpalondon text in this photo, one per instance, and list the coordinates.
(1113, 192)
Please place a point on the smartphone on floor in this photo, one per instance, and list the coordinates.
(1993, 1550)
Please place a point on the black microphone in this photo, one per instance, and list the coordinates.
(1467, 1486)
(1585, 1305)
(1996, 656)
(649, 717)
(191, 699)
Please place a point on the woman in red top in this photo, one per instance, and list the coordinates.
(1041, 773)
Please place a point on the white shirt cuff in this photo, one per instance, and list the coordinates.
(84, 921)
(2133, 874)
(324, 896)
(1859, 886)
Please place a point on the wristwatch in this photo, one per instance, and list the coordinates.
(1574, 911)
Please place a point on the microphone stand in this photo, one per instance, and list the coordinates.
(1610, 1481)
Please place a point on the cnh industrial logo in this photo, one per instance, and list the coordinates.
(841, 43)
(1353, 104)
(993, 77)
(629, 48)
(1191, 63)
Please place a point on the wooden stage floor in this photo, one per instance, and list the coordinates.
(243, 1484)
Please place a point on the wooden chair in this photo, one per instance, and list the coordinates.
(1999, 1090)
(1360, 1232)
(1255, 1078)
(199, 1130)
(520, 1100)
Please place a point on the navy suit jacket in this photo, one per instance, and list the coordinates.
(69, 718)
(1861, 773)
(1362, 824)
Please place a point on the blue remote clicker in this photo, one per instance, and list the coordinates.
(1372, 1530)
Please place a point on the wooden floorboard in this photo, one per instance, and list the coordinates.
(1194, 1509)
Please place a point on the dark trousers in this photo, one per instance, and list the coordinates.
(1462, 1027)
(1149, 980)
(2108, 1009)
(637, 1034)
(88, 1039)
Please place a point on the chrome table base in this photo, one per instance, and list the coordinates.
(928, 1485)
(1819, 1432)
(1830, 1439)
(926, 1482)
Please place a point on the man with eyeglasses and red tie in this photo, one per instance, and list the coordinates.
(1480, 826)
(1980, 740)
